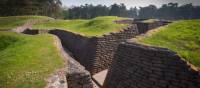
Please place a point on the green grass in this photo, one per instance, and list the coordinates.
(26, 61)
(11, 22)
(181, 36)
(94, 27)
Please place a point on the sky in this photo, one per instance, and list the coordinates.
(128, 3)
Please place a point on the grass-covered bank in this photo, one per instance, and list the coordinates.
(181, 36)
(26, 61)
(11, 22)
(94, 27)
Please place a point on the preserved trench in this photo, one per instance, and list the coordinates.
(94, 53)
(122, 64)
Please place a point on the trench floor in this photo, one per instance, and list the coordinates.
(100, 77)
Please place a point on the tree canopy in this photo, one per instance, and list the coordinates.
(170, 11)
(53, 8)
(89, 11)
(30, 7)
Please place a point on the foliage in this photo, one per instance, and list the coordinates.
(182, 37)
(26, 61)
(11, 22)
(65, 14)
(52, 8)
(170, 11)
(149, 11)
(90, 11)
(94, 27)
(30, 7)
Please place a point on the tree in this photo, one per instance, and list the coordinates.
(133, 12)
(186, 11)
(196, 12)
(168, 11)
(148, 12)
(88, 11)
(115, 10)
(123, 11)
(30, 7)
(65, 12)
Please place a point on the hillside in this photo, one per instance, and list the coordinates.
(94, 27)
(7, 23)
(26, 61)
(181, 36)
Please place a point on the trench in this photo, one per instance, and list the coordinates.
(57, 78)
(95, 84)
(81, 77)
(31, 32)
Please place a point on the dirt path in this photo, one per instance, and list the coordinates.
(100, 77)
(27, 25)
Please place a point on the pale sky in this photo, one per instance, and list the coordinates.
(128, 3)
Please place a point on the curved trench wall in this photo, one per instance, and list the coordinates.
(77, 76)
(95, 53)
(83, 48)
(34, 31)
(31, 32)
(73, 75)
(139, 66)
(144, 27)
(107, 46)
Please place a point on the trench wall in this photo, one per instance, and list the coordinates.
(144, 27)
(82, 48)
(31, 32)
(107, 46)
(77, 76)
(73, 75)
(34, 31)
(95, 53)
(140, 66)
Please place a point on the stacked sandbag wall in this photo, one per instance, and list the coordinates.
(144, 27)
(95, 53)
(141, 66)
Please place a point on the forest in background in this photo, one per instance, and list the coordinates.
(54, 8)
(51, 8)
(170, 11)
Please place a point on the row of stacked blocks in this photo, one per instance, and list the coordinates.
(130, 65)
(144, 27)
(96, 53)
(107, 46)
(141, 66)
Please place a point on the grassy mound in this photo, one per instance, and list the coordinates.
(94, 27)
(181, 36)
(26, 61)
(7, 23)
